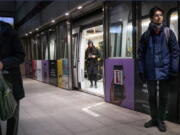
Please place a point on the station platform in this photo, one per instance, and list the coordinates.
(49, 110)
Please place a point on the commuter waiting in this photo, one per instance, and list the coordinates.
(158, 54)
(91, 55)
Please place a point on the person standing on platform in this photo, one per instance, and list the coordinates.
(11, 56)
(158, 62)
(91, 55)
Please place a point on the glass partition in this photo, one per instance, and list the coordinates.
(44, 46)
(52, 43)
(120, 30)
(62, 48)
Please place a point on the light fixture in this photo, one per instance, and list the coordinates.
(30, 32)
(174, 17)
(37, 29)
(79, 7)
(53, 21)
(66, 14)
(26, 34)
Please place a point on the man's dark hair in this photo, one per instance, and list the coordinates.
(153, 11)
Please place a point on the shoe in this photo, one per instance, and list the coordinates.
(91, 86)
(161, 126)
(95, 86)
(150, 123)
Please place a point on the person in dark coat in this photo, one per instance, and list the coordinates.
(11, 56)
(158, 54)
(91, 55)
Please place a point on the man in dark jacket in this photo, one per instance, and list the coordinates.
(158, 62)
(91, 55)
(11, 56)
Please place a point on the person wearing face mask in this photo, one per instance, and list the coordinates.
(91, 55)
(158, 62)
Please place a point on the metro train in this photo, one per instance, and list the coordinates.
(55, 53)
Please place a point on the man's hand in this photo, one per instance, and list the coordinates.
(1, 66)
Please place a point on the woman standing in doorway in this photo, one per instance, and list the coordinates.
(91, 55)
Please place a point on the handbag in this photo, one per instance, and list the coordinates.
(8, 103)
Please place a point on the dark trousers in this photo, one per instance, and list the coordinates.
(158, 111)
(92, 73)
(93, 77)
(12, 123)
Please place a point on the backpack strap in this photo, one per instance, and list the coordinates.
(147, 35)
(167, 33)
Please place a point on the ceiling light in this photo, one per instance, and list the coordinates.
(30, 32)
(66, 14)
(53, 21)
(26, 34)
(79, 7)
(37, 29)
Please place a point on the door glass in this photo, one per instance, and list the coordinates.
(174, 23)
(44, 45)
(33, 43)
(145, 24)
(52, 43)
(74, 48)
(116, 38)
(74, 58)
(121, 30)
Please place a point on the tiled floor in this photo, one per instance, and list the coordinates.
(48, 110)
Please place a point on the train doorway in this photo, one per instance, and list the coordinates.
(84, 74)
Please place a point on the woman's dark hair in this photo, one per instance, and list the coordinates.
(153, 11)
(90, 42)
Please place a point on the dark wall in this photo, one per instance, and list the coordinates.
(7, 8)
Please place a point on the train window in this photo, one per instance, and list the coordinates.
(145, 24)
(44, 45)
(52, 43)
(174, 23)
(38, 47)
(121, 30)
(166, 6)
(34, 54)
(116, 38)
(129, 40)
(62, 48)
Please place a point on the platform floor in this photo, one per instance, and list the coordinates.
(48, 110)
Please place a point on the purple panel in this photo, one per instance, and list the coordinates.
(45, 71)
(127, 88)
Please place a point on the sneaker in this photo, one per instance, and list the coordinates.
(161, 126)
(150, 123)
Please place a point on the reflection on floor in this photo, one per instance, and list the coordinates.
(48, 110)
(97, 91)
